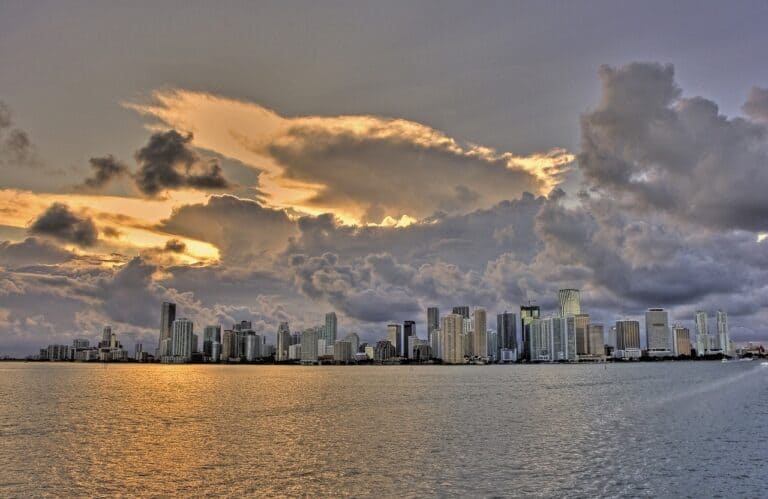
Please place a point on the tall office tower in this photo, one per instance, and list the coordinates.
(182, 339)
(106, 336)
(581, 325)
(596, 336)
(229, 346)
(436, 342)
(570, 302)
(682, 339)
(433, 321)
(506, 332)
(658, 335)
(479, 333)
(452, 335)
(492, 345)
(702, 334)
(540, 340)
(723, 335)
(527, 313)
(627, 335)
(167, 316)
(462, 310)
(611, 340)
(252, 346)
(395, 337)
(211, 334)
(562, 341)
(409, 329)
(330, 330)
(353, 340)
(309, 339)
(283, 341)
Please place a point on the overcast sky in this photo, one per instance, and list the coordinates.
(273, 161)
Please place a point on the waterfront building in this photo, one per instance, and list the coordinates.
(252, 346)
(527, 314)
(703, 343)
(436, 342)
(309, 344)
(211, 335)
(506, 333)
(384, 351)
(492, 345)
(394, 336)
(342, 351)
(294, 351)
(330, 329)
(462, 310)
(433, 322)
(452, 348)
(182, 339)
(682, 340)
(581, 324)
(284, 341)
(569, 301)
(723, 334)
(658, 335)
(596, 335)
(479, 333)
(409, 329)
(370, 351)
(627, 339)
(229, 344)
(167, 316)
(354, 340)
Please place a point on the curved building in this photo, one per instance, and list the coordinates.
(570, 302)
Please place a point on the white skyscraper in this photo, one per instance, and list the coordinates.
(569, 301)
(702, 334)
(309, 339)
(182, 340)
(658, 335)
(723, 335)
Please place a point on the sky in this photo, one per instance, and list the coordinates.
(274, 161)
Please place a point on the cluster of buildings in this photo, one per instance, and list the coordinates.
(460, 337)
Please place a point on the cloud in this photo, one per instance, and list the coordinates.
(175, 246)
(362, 168)
(167, 161)
(106, 168)
(757, 104)
(32, 251)
(59, 222)
(16, 148)
(655, 151)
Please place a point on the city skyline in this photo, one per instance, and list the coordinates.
(246, 183)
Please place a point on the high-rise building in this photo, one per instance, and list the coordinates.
(283, 341)
(492, 345)
(703, 343)
(581, 323)
(462, 310)
(309, 339)
(409, 329)
(658, 335)
(342, 351)
(506, 332)
(106, 337)
(395, 337)
(627, 335)
(383, 351)
(569, 301)
(596, 336)
(452, 336)
(433, 321)
(723, 334)
(436, 342)
(527, 314)
(229, 346)
(182, 340)
(330, 329)
(682, 340)
(353, 340)
(479, 333)
(167, 316)
(211, 335)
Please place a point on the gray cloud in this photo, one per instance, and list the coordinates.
(59, 222)
(175, 246)
(168, 161)
(757, 104)
(16, 148)
(656, 151)
(32, 251)
(105, 169)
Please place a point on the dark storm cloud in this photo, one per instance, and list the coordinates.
(655, 150)
(15, 145)
(757, 104)
(175, 246)
(105, 169)
(168, 161)
(59, 222)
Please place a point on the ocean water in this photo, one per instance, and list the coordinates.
(686, 429)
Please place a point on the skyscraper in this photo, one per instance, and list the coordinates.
(211, 335)
(506, 332)
(723, 335)
(462, 310)
(658, 335)
(309, 351)
(452, 336)
(596, 336)
(433, 321)
(682, 338)
(581, 324)
(283, 341)
(527, 314)
(569, 301)
(167, 316)
(627, 335)
(395, 337)
(182, 340)
(479, 333)
(409, 329)
(702, 334)
(330, 330)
